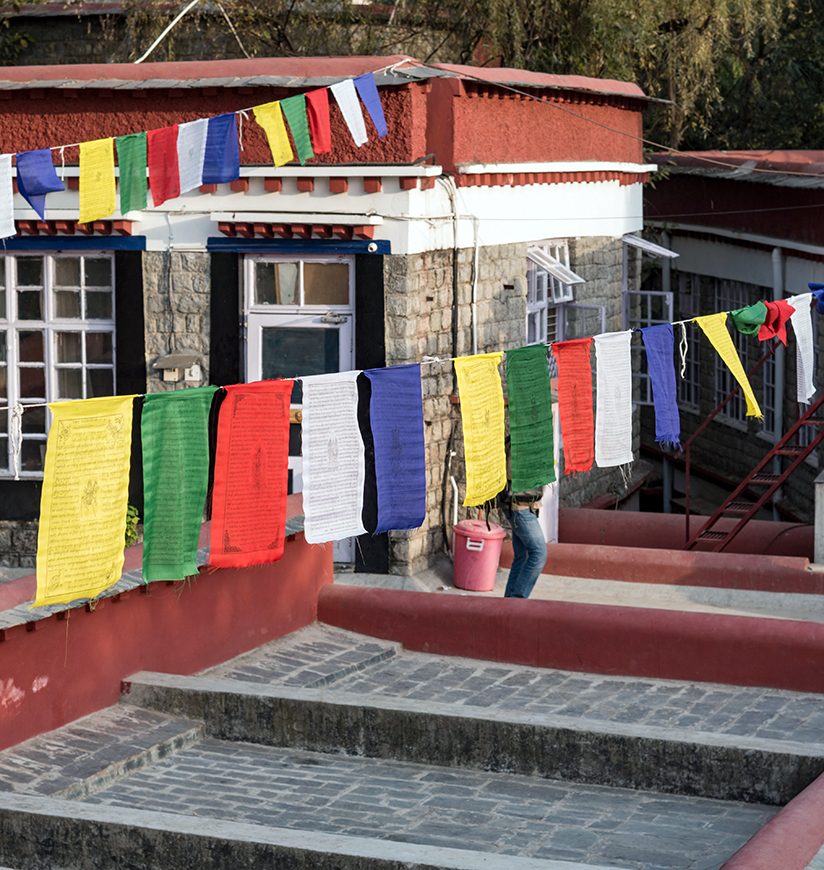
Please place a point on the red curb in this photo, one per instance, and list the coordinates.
(629, 641)
(791, 839)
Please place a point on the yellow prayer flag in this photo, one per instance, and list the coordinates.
(482, 415)
(84, 500)
(270, 117)
(97, 186)
(714, 326)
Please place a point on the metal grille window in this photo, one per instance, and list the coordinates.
(57, 341)
(645, 308)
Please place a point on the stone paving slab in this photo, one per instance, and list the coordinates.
(818, 862)
(496, 813)
(74, 760)
(735, 711)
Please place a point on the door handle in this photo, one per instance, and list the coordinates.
(334, 318)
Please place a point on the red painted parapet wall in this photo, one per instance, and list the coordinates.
(66, 666)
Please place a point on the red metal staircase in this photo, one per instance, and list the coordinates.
(760, 482)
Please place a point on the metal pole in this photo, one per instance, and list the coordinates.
(778, 293)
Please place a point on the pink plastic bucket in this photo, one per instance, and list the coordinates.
(476, 552)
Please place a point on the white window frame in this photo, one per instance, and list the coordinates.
(550, 283)
(49, 325)
(250, 262)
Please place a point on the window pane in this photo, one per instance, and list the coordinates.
(33, 383)
(3, 385)
(97, 272)
(99, 382)
(32, 455)
(3, 351)
(4, 422)
(68, 347)
(276, 284)
(325, 284)
(67, 303)
(30, 305)
(34, 420)
(70, 383)
(289, 351)
(99, 306)
(31, 345)
(99, 347)
(3, 314)
(30, 271)
(4, 452)
(2, 271)
(67, 271)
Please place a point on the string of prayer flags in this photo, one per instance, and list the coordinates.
(317, 107)
(7, 227)
(804, 346)
(251, 475)
(98, 194)
(334, 467)
(396, 414)
(36, 177)
(84, 499)
(482, 416)
(270, 117)
(294, 108)
(164, 173)
(532, 460)
(748, 320)
(347, 99)
(613, 399)
(575, 402)
(659, 345)
(191, 150)
(775, 326)
(221, 162)
(368, 92)
(174, 429)
(714, 326)
(132, 161)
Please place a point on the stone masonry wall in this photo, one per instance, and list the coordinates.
(176, 290)
(18, 543)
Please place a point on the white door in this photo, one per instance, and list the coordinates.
(300, 321)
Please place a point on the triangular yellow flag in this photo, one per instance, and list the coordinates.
(482, 415)
(97, 185)
(270, 117)
(714, 326)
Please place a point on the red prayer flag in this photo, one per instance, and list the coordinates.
(775, 325)
(164, 174)
(575, 403)
(317, 108)
(251, 475)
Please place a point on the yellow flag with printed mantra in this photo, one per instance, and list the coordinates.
(714, 326)
(482, 415)
(97, 186)
(270, 117)
(84, 499)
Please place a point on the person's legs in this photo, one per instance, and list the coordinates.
(528, 539)
(518, 558)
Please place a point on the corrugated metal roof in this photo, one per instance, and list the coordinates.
(798, 168)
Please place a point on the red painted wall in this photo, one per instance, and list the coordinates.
(68, 667)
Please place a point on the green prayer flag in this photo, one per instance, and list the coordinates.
(131, 161)
(295, 110)
(174, 429)
(532, 455)
(748, 320)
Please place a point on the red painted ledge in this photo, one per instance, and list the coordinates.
(628, 641)
(791, 839)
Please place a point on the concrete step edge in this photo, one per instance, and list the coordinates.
(614, 754)
(113, 834)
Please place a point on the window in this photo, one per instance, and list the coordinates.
(56, 342)
(289, 283)
(645, 308)
(689, 386)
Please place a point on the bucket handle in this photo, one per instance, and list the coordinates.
(477, 546)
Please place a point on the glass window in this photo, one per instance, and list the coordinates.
(56, 342)
(325, 283)
(300, 282)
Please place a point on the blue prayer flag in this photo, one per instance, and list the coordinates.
(396, 412)
(36, 177)
(818, 295)
(368, 92)
(659, 345)
(222, 160)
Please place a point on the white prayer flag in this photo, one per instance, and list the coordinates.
(334, 468)
(6, 198)
(613, 399)
(191, 149)
(350, 107)
(804, 346)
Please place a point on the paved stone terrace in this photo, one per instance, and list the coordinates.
(489, 812)
(320, 655)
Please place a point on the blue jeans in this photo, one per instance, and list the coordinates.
(530, 553)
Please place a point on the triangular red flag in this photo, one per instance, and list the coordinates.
(317, 108)
(164, 173)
